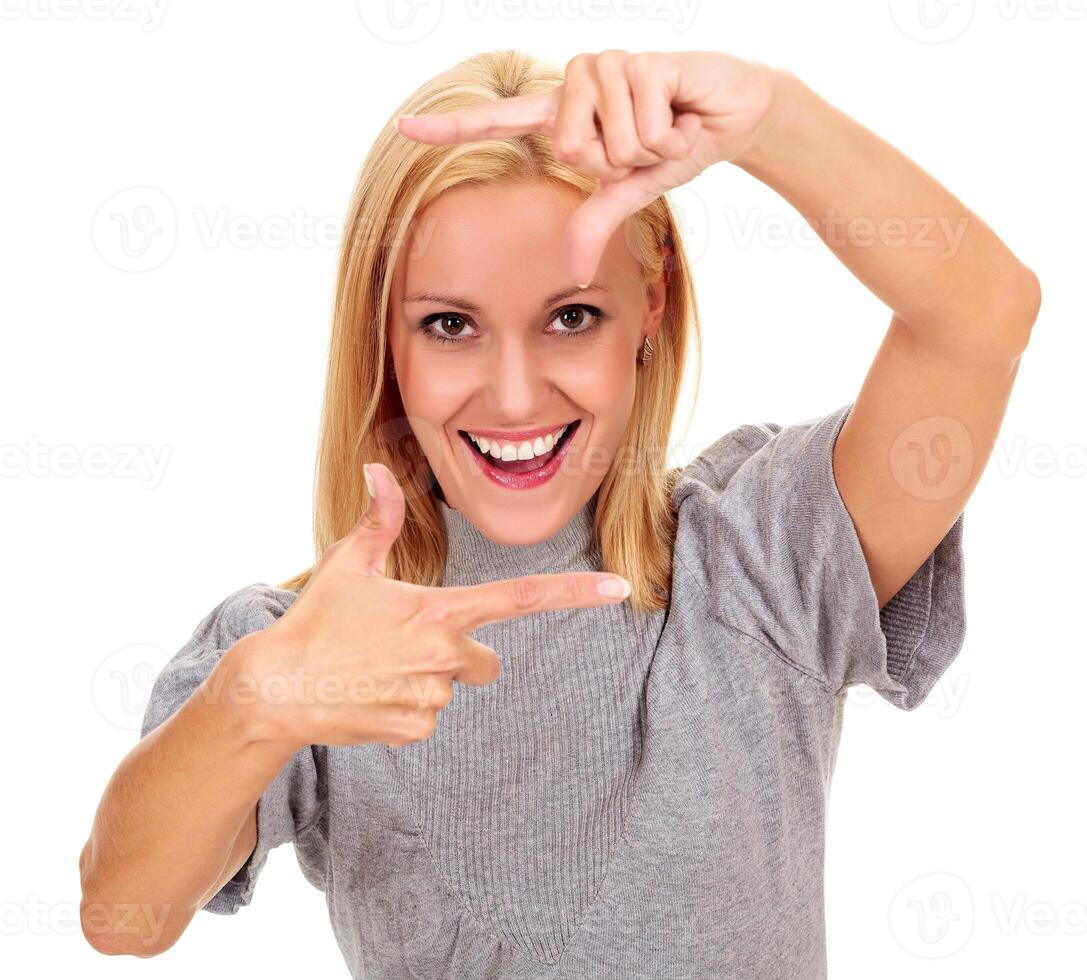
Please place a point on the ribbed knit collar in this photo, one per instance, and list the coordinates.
(473, 558)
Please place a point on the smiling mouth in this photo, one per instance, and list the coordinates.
(523, 465)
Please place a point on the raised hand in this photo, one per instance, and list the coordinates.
(359, 657)
(641, 123)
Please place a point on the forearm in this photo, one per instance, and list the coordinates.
(170, 814)
(946, 275)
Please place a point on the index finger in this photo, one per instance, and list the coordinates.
(472, 606)
(517, 115)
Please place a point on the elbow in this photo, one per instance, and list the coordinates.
(1033, 297)
(1019, 309)
(121, 928)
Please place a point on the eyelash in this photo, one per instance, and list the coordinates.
(599, 316)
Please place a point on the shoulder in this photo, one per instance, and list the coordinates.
(246, 610)
(756, 453)
(715, 465)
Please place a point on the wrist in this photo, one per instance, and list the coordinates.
(777, 129)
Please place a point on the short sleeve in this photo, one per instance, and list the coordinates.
(781, 562)
(289, 808)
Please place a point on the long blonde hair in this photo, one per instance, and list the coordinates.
(363, 418)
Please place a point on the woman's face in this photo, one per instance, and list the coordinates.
(489, 336)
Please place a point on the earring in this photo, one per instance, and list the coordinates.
(647, 351)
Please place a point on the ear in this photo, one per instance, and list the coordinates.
(656, 293)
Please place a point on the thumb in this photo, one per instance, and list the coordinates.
(383, 520)
(596, 220)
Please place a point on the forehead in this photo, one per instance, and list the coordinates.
(509, 232)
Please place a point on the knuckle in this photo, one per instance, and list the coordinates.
(418, 725)
(440, 693)
(579, 62)
(641, 62)
(442, 658)
(611, 57)
(526, 593)
(431, 613)
(573, 590)
(654, 138)
(566, 147)
(367, 524)
(625, 153)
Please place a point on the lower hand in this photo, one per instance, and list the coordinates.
(359, 657)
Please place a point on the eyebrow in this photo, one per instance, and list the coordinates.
(461, 303)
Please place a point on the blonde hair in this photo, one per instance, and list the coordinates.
(363, 419)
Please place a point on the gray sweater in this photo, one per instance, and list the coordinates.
(634, 797)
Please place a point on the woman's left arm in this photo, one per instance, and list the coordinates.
(924, 423)
(929, 411)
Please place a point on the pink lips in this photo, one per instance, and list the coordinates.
(523, 481)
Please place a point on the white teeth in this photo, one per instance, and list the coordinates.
(523, 450)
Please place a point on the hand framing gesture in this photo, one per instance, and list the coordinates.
(366, 658)
(641, 123)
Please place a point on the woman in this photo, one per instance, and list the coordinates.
(622, 785)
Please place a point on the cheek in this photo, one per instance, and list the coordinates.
(431, 395)
(602, 380)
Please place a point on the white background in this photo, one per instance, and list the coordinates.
(956, 832)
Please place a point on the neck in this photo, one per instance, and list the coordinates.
(472, 558)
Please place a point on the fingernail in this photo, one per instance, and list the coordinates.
(582, 285)
(614, 588)
(369, 479)
(406, 115)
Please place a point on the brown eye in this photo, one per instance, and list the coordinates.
(452, 319)
(437, 327)
(572, 320)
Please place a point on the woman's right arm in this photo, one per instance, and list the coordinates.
(375, 659)
(178, 817)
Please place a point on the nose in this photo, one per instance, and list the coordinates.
(518, 382)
